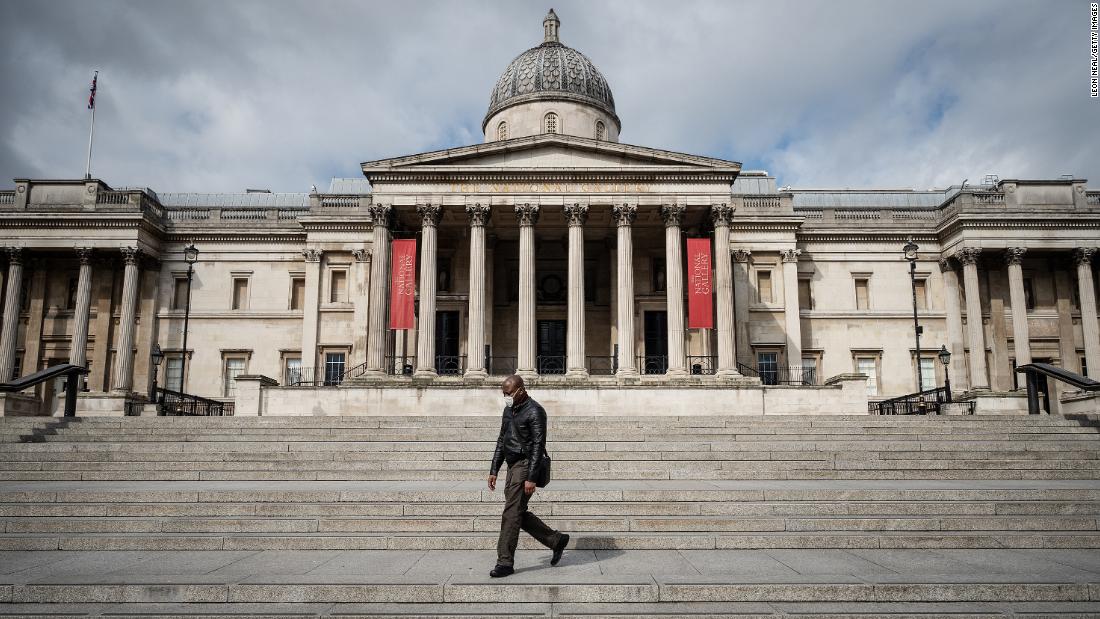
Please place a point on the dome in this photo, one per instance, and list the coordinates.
(551, 71)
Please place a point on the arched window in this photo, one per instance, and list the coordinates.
(600, 130)
(551, 123)
(502, 131)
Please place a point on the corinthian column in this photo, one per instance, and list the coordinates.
(425, 344)
(379, 277)
(624, 215)
(1082, 256)
(1020, 337)
(722, 215)
(673, 215)
(527, 215)
(122, 378)
(792, 322)
(475, 331)
(954, 325)
(11, 313)
(576, 215)
(979, 378)
(78, 350)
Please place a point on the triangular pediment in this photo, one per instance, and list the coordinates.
(551, 152)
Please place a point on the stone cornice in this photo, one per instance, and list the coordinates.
(543, 174)
(235, 237)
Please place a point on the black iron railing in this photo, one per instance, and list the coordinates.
(602, 365)
(1032, 371)
(170, 403)
(778, 375)
(450, 365)
(550, 364)
(927, 402)
(702, 364)
(401, 365)
(652, 364)
(502, 366)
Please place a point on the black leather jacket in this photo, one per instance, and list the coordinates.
(522, 431)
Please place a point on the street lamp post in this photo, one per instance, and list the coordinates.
(945, 359)
(158, 356)
(191, 256)
(910, 251)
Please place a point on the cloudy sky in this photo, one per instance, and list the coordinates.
(222, 95)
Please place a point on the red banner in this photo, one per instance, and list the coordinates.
(699, 285)
(403, 283)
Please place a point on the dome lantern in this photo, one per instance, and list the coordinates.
(550, 27)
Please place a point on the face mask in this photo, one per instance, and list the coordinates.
(507, 400)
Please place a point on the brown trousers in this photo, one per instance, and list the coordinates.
(516, 517)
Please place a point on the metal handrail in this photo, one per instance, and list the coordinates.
(652, 364)
(702, 364)
(172, 403)
(919, 403)
(550, 364)
(797, 376)
(67, 370)
(1032, 372)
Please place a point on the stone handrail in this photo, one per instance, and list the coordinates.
(7, 197)
(1091, 198)
(185, 215)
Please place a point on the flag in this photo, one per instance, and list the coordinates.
(91, 97)
(403, 283)
(700, 287)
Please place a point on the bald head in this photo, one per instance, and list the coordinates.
(512, 383)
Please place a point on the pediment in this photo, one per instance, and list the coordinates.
(550, 153)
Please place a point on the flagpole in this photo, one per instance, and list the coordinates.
(91, 130)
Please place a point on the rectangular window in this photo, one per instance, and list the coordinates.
(443, 274)
(240, 293)
(922, 293)
(334, 368)
(764, 286)
(1029, 294)
(927, 373)
(234, 366)
(173, 373)
(660, 276)
(297, 293)
(17, 366)
(805, 294)
(809, 371)
(767, 364)
(868, 366)
(179, 294)
(863, 294)
(1084, 367)
(338, 291)
(70, 300)
(292, 373)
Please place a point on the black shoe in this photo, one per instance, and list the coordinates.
(560, 548)
(502, 570)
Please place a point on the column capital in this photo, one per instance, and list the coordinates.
(624, 214)
(84, 254)
(478, 214)
(15, 255)
(741, 255)
(311, 254)
(430, 214)
(361, 255)
(790, 255)
(673, 214)
(721, 214)
(1083, 255)
(968, 255)
(946, 266)
(380, 214)
(576, 214)
(527, 214)
(1014, 255)
(130, 255)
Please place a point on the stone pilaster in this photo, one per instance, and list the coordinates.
(979, 377)
(624, 216)
(361, 301)
(475, 331)
(576, 215)
(1020, 338)
(722, 215)
(311, 311)
(425, 342)
(742, 258)
(379, 277)
(1090, 330)
(78, 350)
(955, 340)
(792, 321)
(673, 215)
(122, 377)
(527, 215)
(11, 313)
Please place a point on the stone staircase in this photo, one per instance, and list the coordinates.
(685, 516)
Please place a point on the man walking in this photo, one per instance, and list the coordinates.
(521, 442)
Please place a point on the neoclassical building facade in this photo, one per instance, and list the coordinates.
(555, 251)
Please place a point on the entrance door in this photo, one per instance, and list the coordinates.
(656, 343)
(447, 360)
(551, 347)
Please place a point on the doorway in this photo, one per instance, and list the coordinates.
(655, 324)
(447, 360)
(551, 347)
